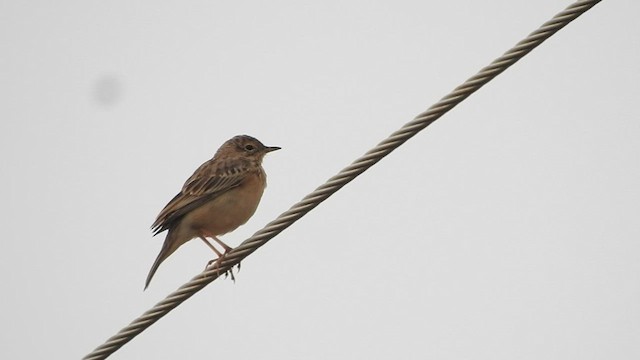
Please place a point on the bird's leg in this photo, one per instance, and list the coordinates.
(211, 246)
(220, 255)
(226, 248)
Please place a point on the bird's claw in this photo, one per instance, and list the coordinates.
(216, 264)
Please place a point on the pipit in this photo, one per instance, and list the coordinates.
(222, 194)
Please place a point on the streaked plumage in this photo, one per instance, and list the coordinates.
(222, 194)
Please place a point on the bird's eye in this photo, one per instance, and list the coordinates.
(249, 147)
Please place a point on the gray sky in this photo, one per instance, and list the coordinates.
(507, 230)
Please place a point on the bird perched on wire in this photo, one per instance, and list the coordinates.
(222, 194)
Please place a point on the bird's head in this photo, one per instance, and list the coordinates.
(245, 146)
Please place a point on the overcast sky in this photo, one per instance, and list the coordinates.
(507, 230)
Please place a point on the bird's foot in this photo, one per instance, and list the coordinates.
(230, 273)
(215, 263)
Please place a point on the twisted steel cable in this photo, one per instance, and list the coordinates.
(349, 173)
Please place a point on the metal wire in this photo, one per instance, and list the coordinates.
(349, 173)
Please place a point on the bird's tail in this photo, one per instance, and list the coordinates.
(170, 245)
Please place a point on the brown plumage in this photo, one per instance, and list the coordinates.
(222, 194)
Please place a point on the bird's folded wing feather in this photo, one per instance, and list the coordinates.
(209, 181)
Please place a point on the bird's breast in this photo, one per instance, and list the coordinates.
(230, 209)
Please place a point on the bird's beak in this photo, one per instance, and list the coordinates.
(272, 148)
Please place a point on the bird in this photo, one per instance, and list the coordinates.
(222, 194)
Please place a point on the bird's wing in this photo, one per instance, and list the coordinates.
(209, 181)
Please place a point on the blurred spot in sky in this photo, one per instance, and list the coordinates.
(107, 91)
